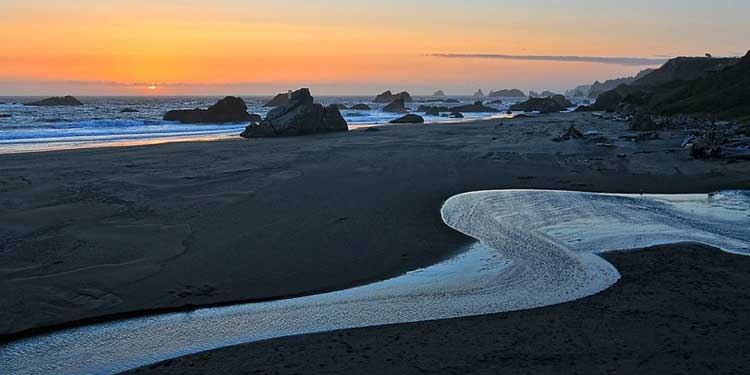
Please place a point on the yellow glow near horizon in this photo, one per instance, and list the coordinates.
(189, 45)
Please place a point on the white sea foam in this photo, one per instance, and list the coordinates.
(100, 121)
(539, 248)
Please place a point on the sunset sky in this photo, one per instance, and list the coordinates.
(52, 47)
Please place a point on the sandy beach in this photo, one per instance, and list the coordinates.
(677, 310)
(98, 233)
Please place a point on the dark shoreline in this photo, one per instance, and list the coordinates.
(239, 211)
(678, 309)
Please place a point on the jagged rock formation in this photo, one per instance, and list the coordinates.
(556, 103)
(279, 100)
(64, 101)
(479, 94)
(301, 116)
(227, 110)
(389, 97)
(397, 105)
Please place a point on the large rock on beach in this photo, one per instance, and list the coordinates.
(64, 101)
(228, 110)
(397, 106)
(301, 116)
(409, 119)
(389, 97)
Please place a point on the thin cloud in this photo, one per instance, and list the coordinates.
(635, 61)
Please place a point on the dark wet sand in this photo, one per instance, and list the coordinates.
(679, 309)
(99, 233)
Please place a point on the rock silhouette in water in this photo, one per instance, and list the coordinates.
(479, 94)
(301, 116)
(227, 110)
(552, 104)
(361, 107)
(477, 107)
(64, 101)
(278, 100)
(397, 105)
(129, 110)
(439, 93)
(389, 97)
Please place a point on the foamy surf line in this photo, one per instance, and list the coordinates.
(537, 248)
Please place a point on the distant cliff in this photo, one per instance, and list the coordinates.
(687, 85)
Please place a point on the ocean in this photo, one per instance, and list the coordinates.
(101, 122)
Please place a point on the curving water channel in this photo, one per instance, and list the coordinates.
(537, 248)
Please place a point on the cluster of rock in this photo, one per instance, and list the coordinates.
(717, 142)
(543, 94)
(63, 101)
(512, 93)
(439, 93)
(477, 107)
(228, 110)
(299, 117)
(389, 97)
(552, 104)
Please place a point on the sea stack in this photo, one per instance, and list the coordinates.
(477, 107)
(301, 116)
(479, 94)
(227, 110)
(64, 101)
(397, 105)
(552, 104)
(388, 97)
(439, 94)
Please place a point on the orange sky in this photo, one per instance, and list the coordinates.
(188, 46)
